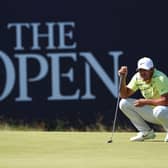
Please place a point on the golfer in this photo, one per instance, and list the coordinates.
(153, 107)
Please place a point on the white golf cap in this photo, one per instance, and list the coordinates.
(145, 63)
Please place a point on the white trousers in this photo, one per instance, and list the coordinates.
(139, 115)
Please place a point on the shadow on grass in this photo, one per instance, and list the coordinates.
(156, 140)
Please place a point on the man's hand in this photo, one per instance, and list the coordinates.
(123, 71)
(140, 102)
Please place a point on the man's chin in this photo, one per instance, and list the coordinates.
(146, 80)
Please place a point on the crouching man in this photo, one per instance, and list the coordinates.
(153, 107)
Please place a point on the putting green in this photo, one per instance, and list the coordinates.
(19, 149)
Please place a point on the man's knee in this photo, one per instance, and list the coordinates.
(123, 103)
(159, 112)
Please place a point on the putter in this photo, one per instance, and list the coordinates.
(116, 111)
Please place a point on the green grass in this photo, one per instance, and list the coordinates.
(30, 149)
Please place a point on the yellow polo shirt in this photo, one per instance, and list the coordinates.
(157, 87)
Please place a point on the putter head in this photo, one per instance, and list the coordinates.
(109, 141)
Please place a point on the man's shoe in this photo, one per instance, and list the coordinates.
(141, 136)
(166, 138)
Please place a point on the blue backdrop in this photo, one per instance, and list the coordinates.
(59, 58)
